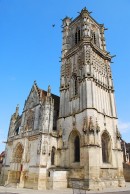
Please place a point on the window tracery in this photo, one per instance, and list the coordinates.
(18, 152)
(30, 120)
(77, 35)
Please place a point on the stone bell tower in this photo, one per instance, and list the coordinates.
(91, 148)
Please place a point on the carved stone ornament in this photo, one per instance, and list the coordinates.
(74, 120)
(85, 125)
(91, 125)
(60, 132)
(88, 126)
(118, 134)
(97, 127)
(17, 153)
(29, 120)
(45, 148)
(88, 55)
(39, 146)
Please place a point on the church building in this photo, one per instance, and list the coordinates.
(74, 138)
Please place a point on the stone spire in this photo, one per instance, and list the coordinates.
(49, 91)
(17, 110)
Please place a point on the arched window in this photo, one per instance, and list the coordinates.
(77, 149)
(77, 35)
(17, 131)
(106, 148)
(53, 156)
(74, 147)
(93, 37)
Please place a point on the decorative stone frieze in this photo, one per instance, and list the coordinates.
(89, 126)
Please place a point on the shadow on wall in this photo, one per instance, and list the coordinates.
(2, 155)
(126, 171)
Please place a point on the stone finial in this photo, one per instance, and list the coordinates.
(118, 134)
(44, 149)
(35, 83)
(60, 132)
(85, 125)
(74, 124)
(17, 110)
(49, 91)
(66, 21)
(91, 125)
(88, 125)
(97, 127)
(85, 10)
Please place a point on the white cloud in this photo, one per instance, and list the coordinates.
(124, 127)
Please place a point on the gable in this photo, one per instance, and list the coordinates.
(33, 99)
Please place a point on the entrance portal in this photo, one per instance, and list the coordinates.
(17, 167)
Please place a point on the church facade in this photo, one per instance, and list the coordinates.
(74, 138)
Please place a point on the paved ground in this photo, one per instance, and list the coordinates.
(10, 190)
(120, 192)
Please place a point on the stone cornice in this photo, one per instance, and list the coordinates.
(87, 41)
(108, 167)
(91, 145)
(88, 108)
(25, 110)
(117, 149)
(100, 84)
(86, 12)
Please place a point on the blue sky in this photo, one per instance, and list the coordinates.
(30, 49)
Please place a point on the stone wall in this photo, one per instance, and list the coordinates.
(126, 170)
(0, 166)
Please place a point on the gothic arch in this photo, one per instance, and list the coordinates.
(18, 153)
(77, 35)
(74, 146)
(106, 147)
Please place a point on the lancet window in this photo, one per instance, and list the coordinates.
(106, 148)
(77, 149)
(77, 35)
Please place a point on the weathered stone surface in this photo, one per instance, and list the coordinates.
(126, 171)
(83, 144)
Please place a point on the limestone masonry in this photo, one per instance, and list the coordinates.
(74, 138)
